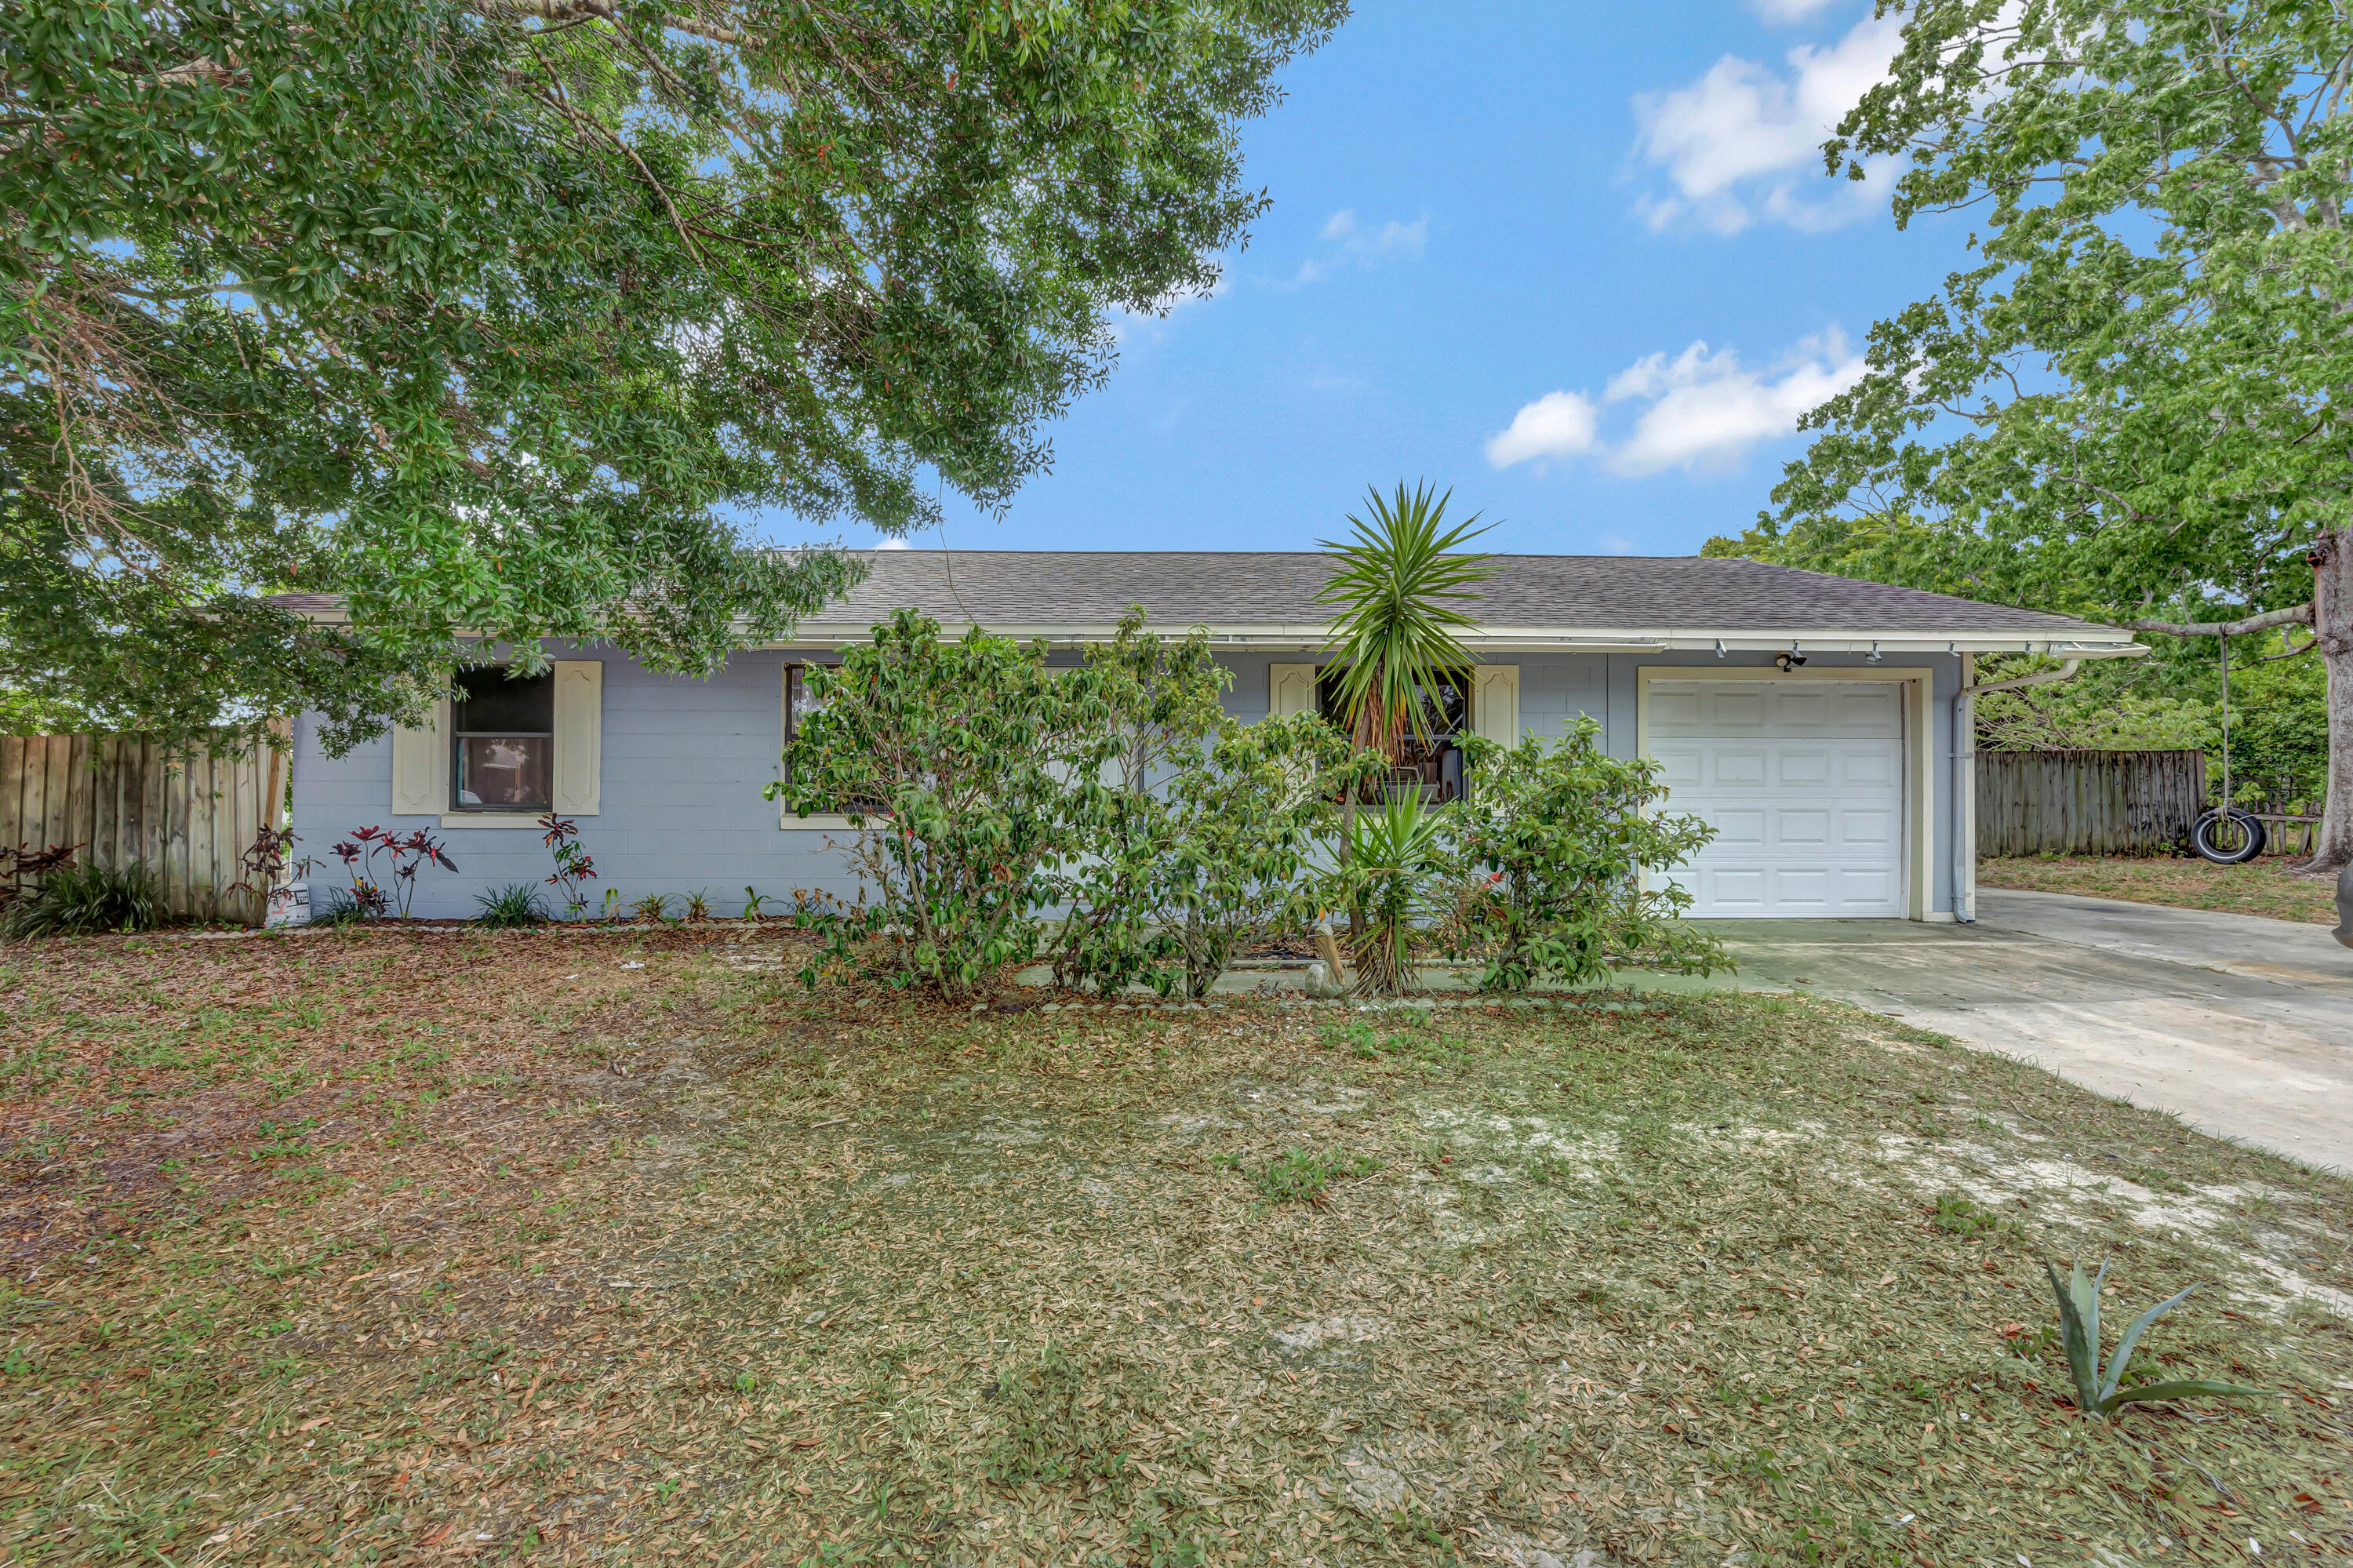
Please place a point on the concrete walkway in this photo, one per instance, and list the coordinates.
(2240, 1026)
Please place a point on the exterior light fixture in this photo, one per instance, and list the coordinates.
(1872, 657)
(1719, 647)
(1789, 660)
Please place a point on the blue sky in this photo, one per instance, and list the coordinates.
(1579, 263)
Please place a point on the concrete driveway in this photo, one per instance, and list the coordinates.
(2240, 1026)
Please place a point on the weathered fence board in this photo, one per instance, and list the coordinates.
(2087, 802)
(188, 817)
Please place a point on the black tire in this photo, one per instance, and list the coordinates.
(2232, 843)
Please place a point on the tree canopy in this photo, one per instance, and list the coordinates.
(495, 318)
(2134, 405)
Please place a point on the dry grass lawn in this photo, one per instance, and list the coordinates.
(2265, 887)
(576, 1248)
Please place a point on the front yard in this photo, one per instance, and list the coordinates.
(576, 1247)
(2263, 888)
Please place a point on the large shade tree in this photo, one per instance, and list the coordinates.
(2137, 405)
(498, 317)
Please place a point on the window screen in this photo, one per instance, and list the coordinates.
(503, 741)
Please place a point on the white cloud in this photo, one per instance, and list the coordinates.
(1702, 409)
(1557, 425)
(894, 545)
(1707, 408)
(1787, 10)
(1355, 244)
(1743, 142)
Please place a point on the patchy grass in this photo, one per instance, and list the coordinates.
(2265, 887)
(395, 1247)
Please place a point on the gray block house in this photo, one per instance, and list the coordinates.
(1820, 723)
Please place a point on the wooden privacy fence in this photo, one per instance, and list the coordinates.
(188, 817)
(2087, 802)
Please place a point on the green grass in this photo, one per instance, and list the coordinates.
(2263, 888)
(699, 1266)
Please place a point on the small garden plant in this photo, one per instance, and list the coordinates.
(574, 868)
(389, 891)
(510, 909)
(2104, 1394)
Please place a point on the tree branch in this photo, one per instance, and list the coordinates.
(2299, 615)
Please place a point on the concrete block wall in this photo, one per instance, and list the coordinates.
(684, 762)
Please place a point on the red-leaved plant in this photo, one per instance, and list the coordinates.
(392, 894)
(572, 866)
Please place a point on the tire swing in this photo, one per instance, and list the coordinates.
(2226, 836)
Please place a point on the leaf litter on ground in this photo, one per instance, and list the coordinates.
(389, 1247)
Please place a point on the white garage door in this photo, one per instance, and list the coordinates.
(1803, 782)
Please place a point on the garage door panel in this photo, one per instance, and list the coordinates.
(1795, 892)
(1674, 713)
(1678, 767)
(1866, 769)
(1870, 713)
(1809, 830)
(1803, 783)
(1736, 767)
(1802, 767)
(1736, 826)
(1867, 830)
(1866, 892)
(1731, 889)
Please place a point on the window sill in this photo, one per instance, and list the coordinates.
(489, 819)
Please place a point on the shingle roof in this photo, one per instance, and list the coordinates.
(1030, 588)
(1035, 591)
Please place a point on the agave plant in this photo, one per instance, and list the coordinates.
(2079, 1325)
(1396, 852)
(1395, 629)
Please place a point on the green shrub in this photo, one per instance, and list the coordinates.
(958, 764)
(1205, 832)
(511, 907)
(85, 900)
(1560, 839)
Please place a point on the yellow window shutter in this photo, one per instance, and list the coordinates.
(1289, 689)
(579, 735)
(1495, 704)
(420, 765)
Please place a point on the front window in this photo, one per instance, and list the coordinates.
(503, 740)
(1431, 763)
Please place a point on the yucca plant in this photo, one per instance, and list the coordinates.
(1391, 618)
(1397, 851)
(2079, 1327)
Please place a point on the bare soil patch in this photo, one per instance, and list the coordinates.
(406, 1249)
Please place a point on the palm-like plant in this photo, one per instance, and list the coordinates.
(1395, 852)
(1395, 629)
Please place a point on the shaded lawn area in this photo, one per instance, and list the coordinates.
(2262, 888)
(575, 1248)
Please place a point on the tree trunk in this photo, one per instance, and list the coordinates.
(2332, 628)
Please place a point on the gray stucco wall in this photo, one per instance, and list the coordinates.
(684, 762)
